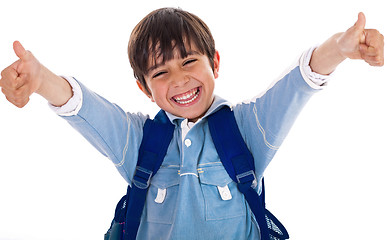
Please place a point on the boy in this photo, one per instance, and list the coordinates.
(175, 63)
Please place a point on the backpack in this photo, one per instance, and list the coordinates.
(235, 157)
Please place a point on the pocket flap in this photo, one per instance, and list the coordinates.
(165, 178)
(216, 176)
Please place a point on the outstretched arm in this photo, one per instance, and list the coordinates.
(27, 75)
(356, 43)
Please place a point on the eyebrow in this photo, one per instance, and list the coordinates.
(157, 65)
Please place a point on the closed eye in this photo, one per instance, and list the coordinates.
(189, 61)
(158, 74)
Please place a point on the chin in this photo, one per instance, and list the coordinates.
(194, 117)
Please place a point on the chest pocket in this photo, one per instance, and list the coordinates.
(222, 198)
(162, 195)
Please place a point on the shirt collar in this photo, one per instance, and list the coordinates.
(216, 105)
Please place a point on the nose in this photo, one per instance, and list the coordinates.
(180, 79)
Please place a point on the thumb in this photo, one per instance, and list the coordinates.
(19, 50)
(360, 25)
(361, 21)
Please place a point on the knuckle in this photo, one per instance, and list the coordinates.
(18, 94)
(20, 105)
(18, 101)
(5, 73)
(14, 84)
(376, 59)
(17, 82)
(9, 99)
(375, 32)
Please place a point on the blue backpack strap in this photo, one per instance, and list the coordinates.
(156, 139)
(239, 164)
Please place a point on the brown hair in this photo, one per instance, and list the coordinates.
(162, 31)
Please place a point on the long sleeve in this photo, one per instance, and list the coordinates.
(266, 119)
(113, 132)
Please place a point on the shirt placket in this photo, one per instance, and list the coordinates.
(189, 145)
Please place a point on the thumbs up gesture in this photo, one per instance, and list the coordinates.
(21, 79)
(27, 75)
(360, 43)
(355, 43)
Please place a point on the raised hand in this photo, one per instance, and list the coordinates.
(360, 43)
(27, 75)
(21, 79)
(355, 43)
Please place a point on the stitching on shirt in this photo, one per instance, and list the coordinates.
(95, 130)
(263, 131)
(183, 174)
(126, 145)
(170, 166)
(210, 163)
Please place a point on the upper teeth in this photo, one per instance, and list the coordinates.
(186, 96)
(183, 98)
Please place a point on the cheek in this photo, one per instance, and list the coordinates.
(204, 73)
(208, 77)
(159, 91)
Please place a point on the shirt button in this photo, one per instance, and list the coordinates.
(187, 142)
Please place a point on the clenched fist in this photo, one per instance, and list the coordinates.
(360, 43)
(21, 79)
(355, 43)
(27, 75)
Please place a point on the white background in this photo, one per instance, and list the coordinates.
(327, 181)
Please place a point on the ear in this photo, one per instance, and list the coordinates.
(143, 89)
(216, 64)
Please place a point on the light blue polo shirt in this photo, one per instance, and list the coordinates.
(192, 196)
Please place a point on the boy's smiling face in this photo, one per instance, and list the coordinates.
(183, 86)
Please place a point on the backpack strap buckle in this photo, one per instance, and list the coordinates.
(142, 177)
(247, 177)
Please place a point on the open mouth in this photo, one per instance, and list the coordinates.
(187, 97)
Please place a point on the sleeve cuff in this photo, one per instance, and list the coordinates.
(74, 104)
(315, 80)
